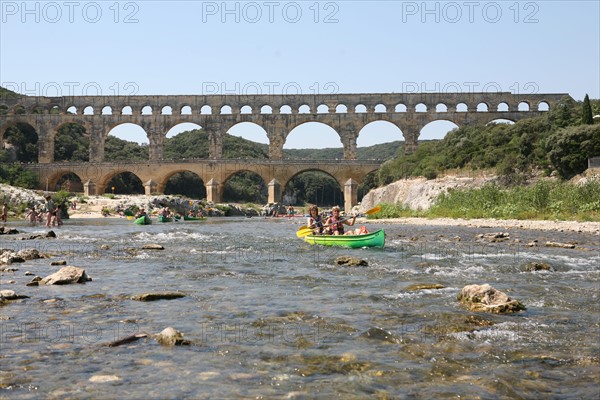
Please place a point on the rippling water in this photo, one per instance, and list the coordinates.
(269, 316)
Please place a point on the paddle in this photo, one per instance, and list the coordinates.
(305, 230)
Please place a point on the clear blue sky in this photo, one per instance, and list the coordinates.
(204, 47)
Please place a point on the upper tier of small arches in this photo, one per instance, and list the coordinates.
(228, 109)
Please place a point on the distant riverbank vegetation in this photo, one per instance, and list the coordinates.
(545, 200)
(557, 143)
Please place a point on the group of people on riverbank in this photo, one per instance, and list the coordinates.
(334, 224)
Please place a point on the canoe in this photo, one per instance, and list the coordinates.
(164, 219)
(145, 220)
(373, 239)
(186, 218)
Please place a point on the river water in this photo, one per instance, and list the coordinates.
(268, 316)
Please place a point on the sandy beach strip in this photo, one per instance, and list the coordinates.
(541, 225)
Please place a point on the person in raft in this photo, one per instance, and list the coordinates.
(335, 225)
(315, 222)
(141, 213)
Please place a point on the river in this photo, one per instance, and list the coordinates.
(269, 316)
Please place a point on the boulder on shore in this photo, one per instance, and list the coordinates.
(488, 299)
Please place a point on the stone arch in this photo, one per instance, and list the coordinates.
(400, 108)
(121, 126)
(543, 106)
(106, 182)
(106, 110)
(285, 109)
(305, 129)
(441, 107)
(147, 110)
(126, 110)
(371, 132)
(185, 110)
(19, 110)
(524, 106)
(246, 110)
(166, 110)
(462, 107)
(314, 198)
(53, 180)
(322, 109)
(226, 110)
(256, 194)
(88, 110)
(360, 108)
(174, 128)
(421, 108)
(341, 109)
(72, 110)
(249, 131)
(70, 181)
(183, 189)
(435, 129)
(266, 109)
(503, 107)
(304, 109)
(37, 109)
(380, 108)
(206, 110)
(483, 107)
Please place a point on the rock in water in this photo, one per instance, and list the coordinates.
(152, 246)
(171, 337)
(488, 299)
(11, 295)
(351, 261)
(157, 296)
(65, 276)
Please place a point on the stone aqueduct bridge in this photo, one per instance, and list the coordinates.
(213, 173)
(278, 115)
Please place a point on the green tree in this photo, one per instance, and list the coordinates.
(24, 138)
(564, 114)
(570, 148)
(586, 115)
(245, 187)
(116, 149)
(71, 143)
(16, 175)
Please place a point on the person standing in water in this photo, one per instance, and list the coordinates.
(4, 215)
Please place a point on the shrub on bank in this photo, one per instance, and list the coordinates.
(544, 200)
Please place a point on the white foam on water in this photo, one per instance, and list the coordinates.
(522, 331)
(421, 293)
(171, 236)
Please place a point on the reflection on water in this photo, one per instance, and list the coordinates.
(271, 316)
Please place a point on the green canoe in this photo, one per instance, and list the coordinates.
(186, 218)
(373, 239)
(145, 220)
(164, 219)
